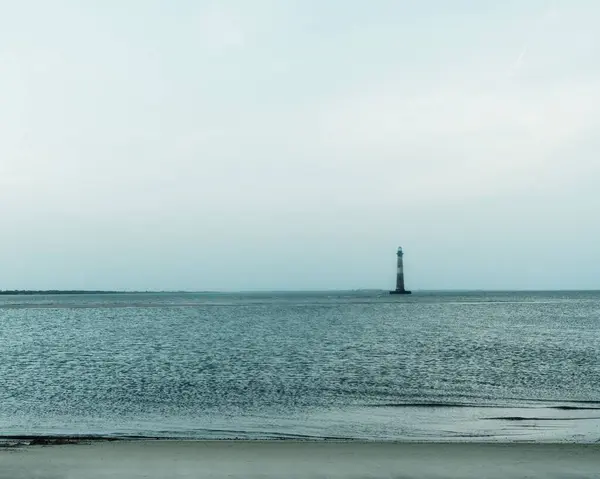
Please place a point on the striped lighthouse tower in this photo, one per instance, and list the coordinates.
(400, 275)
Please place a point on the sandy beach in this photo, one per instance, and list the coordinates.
(256, 459)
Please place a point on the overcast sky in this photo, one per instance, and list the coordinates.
(238, 145)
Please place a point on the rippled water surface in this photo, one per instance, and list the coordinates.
(349, 365)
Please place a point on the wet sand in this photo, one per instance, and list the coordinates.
(255, 459)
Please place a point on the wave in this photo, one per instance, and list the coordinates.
(434, 405)
(200, 434)
(527, 404)
(575, 408)
(524, 418)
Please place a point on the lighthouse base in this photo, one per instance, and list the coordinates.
(401, 291)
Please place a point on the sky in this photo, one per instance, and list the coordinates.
(295, 144)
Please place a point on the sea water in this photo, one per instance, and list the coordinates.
(345, 365)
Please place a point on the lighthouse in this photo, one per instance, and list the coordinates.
(400, 275)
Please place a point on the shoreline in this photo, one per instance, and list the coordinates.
(70, 439)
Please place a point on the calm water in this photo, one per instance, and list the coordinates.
(345, 365)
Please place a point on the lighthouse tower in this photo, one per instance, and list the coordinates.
(400, 275)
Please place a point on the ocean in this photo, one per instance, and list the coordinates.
(449, 366)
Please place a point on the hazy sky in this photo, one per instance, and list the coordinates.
(227, 145)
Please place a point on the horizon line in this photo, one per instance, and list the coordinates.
(8, 292)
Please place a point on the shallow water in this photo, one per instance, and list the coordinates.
(478, 366)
